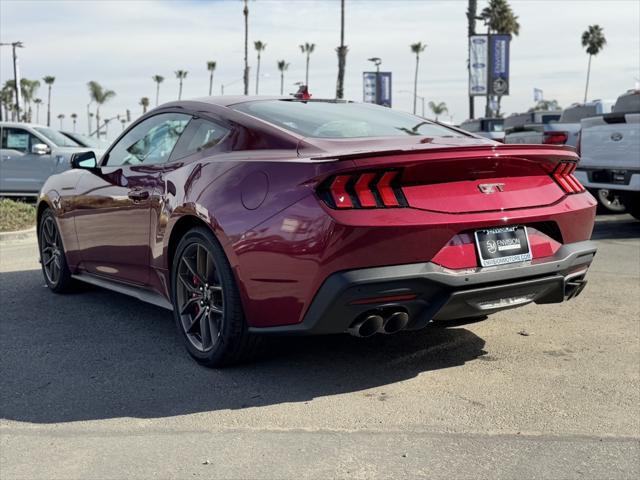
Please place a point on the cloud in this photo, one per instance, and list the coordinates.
(122, 44)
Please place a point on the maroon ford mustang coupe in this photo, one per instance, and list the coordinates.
(261, 215)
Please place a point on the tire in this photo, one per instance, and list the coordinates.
(52, 255)
(206, 303)
(609, 201)
(633, 205)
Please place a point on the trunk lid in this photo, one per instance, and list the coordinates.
(469, 178)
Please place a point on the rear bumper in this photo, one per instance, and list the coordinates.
(625, 179)
(431, 292)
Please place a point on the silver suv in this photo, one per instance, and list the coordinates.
(29, 154)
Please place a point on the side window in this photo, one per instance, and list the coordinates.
(18, 139)
(200, 135)
(149, 142)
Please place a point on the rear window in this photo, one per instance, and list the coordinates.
(341, 119)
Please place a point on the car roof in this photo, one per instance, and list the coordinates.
(22, 124)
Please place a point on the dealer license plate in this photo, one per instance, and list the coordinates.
(497, 246)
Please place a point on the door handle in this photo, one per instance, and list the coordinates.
(138, 194)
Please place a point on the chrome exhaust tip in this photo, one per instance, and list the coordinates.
(366, 327)
(395, 322)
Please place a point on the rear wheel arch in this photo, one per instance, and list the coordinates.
(180, 228)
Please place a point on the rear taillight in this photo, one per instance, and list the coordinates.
(555, 138)
(363, 190)
(563, 175)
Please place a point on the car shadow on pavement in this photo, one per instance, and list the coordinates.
(98, 355)
(613, 227)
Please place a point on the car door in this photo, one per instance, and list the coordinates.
(23, 166)
(112, 206)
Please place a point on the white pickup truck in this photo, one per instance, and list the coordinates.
(609, 147)
(563, 131)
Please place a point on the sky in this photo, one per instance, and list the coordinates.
(122, 44)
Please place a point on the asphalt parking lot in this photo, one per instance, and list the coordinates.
(96, 385)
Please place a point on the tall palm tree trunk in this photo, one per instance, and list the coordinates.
(306, 76)
(157, 92)
(342, 55)
(180, 90)
(210, 82)
(258, 74)
(98, 122)
(281, 83)
(37, 113)
(415, 85)
(246, 48)
(586, 88)
(49, 107)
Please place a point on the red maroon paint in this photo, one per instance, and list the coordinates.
(262, 193)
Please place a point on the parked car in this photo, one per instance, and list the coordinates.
(256, 215)
(530, 128)
(492, 128)
(29, 154)
(85, 141)
(610, 150)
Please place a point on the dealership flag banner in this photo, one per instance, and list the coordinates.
(499, 64)
(478, 63)
(369, 80)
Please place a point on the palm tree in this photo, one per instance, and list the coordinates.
(259, 48)
(593, 40)
(100, 96)
(123, 121)
(61, 118)
(6, 99)
(180, 75)
(38, 102)
(144, 101)
(245, 75)
(307, 49)
(28, 88)
(499, 19)
(546, 105)
(158, 79)
(438, 108)
(74, 117)
(106, 126)
(342, 55)
(416, 48)
(211, 66)
(283, 67)
(49, 81)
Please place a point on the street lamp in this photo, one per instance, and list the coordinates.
(16, 73)
(376, 61)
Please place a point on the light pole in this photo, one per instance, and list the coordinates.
(16, 74)
(376, 61)
(417, 96)
(229, 84)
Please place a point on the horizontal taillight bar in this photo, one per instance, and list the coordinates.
(563, 175)
(363, 190)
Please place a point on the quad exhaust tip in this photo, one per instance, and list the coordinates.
(368, 326)
(395, 322)
(373, 323)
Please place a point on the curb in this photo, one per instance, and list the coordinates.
(28, 234)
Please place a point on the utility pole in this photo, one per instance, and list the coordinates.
(471, 21)
(16, 75)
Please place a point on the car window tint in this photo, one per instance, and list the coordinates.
(200, 135)
(18, 139)
(149, 142)
(341, 119)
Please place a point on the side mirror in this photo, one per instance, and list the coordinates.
(86, 160)
(40, 149)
